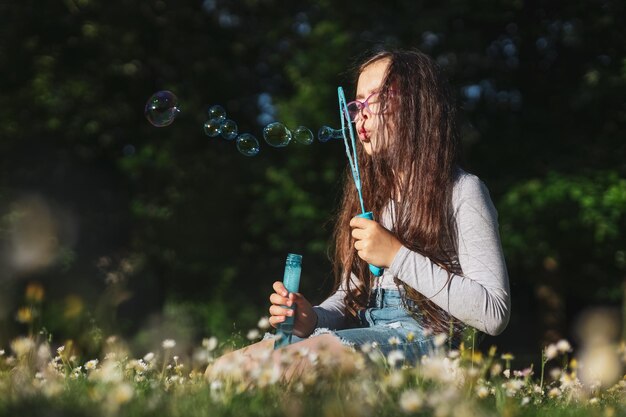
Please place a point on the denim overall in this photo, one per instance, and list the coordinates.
(388, 326)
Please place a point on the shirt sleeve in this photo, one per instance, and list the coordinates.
(480, 297)
(330, 313)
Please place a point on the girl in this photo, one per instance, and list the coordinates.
(436, 236)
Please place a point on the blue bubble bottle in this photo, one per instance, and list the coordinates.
(291, 281)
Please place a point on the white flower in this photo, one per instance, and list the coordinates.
(76, 372)
(109, 372)
(122, 393)
(482, 391)
(554, 392)
(366, 347)
(525, 400)
(394, 357)
(523, 373)
(555, 373)
(210, 344)
(411, 401)
(594, 401)
(148, 357)
(253, 334)
(43, 353)
(442, 369)
(139, 366)
(22, 345)
(169, 343)
(394, 341)
(593, 385)
(512, 386)
(376, 356)
(507, 373)
(396, 379)
(1, 352)
(569, 381)
(440, 339)
(563, 346)
(264, 323)
(201, 356)
(496, 369)
(551, 351)
(268, 376)
(453, 354)
(60, 349)
(90, 365)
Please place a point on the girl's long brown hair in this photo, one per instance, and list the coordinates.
(415, 161)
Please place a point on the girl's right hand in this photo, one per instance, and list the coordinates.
(305, 317)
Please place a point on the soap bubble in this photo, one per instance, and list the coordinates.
(212, 128)
(229, 129)
(277, 135)
(217, 112)
(327, 133)
(247, 144)
(303, 135)
(162, 108)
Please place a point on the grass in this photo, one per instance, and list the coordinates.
(38, 377)
(38, 380)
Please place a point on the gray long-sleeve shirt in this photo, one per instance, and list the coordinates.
(480, 296)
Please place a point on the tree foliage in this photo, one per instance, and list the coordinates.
(541, 85)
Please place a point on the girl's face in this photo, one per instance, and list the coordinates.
(366, 122)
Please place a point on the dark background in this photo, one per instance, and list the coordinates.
(155, 233)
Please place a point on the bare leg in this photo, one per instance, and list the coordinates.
(237, 362)
(292, 361)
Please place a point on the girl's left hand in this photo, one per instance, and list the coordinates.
(374, 244)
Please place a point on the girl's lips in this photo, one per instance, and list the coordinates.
(363, 134)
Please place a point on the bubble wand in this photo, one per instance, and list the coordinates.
(354, 163)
